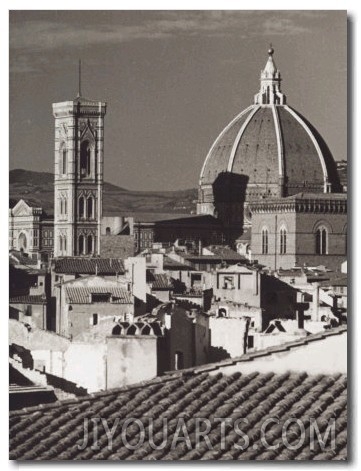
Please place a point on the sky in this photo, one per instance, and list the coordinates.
(172, 80)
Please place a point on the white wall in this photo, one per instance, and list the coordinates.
(325, 356)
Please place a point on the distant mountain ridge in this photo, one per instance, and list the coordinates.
(38, 188)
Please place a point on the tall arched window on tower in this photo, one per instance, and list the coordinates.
(64, 243)
(62, 159)
(283, 241)
(63, 168)
(322, 241)
(61, 243)
(264, 241)
(81, 207)
(90, 244)
(81, 244)
(85, 159)
(90, 208)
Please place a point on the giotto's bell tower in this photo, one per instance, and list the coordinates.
(79, 169)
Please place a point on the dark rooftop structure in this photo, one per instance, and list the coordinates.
(89, 266)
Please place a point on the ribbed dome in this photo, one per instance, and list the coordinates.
(275, 150)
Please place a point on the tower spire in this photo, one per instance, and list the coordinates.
(79, 84)
(270, 91)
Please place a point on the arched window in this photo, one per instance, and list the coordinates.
(283, 241)
(265, 241)
(107, 231)
(65, 205)
(321, 241)
(90, 244)
(90, 208)
(63, 161)
(81, 244)
(117, 330)
(64, 243)
(81, 207)
(22, 241)
(61, 243)
(85, 158)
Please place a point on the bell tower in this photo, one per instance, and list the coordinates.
(79, 168)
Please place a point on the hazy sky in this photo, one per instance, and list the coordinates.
(172, 79)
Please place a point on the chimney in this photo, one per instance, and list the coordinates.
(300, 314)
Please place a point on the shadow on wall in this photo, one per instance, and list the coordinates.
(229, 193)
(217, 354)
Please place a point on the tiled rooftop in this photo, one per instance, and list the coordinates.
(82, 295)
(159, 281)
(170, 264)
(28, 299)
(55, 431)
(89, 266)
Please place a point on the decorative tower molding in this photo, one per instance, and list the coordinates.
(270, 91)
(79, 168)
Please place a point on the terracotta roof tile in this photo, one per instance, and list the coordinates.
(28, 299)
(53, 432)
(89, 266)
(83, 295)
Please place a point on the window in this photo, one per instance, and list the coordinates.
(85, 159)
(64, 243)
(81, 244)
(321, 241)
(63, 161)
(179, 361)
(65, 206)
(60, 243)
(95, 319)
(250, 341)
(90, 244)
(101, 297)
(265, 241)
(90, 208)
(283, 241)
(107, 231)
(81, 207)
(228, 282)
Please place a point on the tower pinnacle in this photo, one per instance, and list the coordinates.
(270, 91)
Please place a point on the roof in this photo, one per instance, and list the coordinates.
(89, 266)
(83, 295)
(340, 280)
(266, 141)
(159, 281)
(28, 299)
(170, 264)
(56, 431)
(226, 253)
(17, 257)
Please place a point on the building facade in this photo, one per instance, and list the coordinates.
(302, 230)
(30, 230)
(79, 168)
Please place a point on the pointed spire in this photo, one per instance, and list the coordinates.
(79, 77)
(270, 91)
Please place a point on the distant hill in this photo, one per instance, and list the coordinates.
(38, 188)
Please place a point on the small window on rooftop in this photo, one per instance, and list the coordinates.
(101, 297)
(95, 319)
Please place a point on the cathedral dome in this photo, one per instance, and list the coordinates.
(270, 147)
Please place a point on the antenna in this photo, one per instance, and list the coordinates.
(79, 89)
